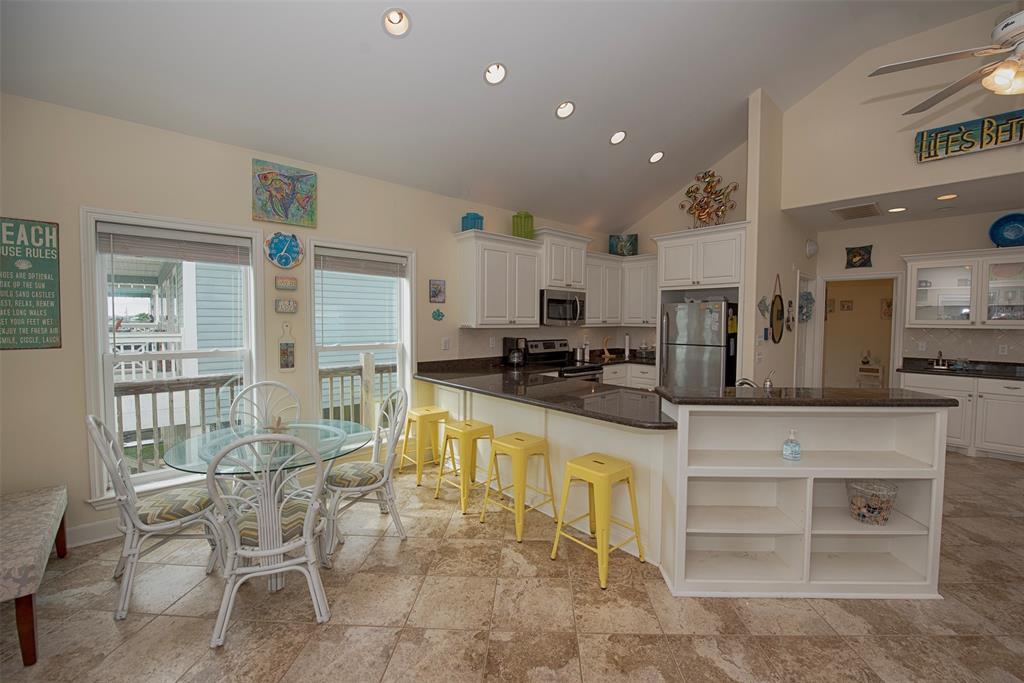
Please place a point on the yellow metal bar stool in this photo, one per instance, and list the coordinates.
(601, 472)
(424, 419)
(519, 447)
(465, 433)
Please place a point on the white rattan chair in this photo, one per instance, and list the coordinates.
(270, 524)
(165, 514)
(354, 482)
(265, 405)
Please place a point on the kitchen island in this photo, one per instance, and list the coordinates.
(721, 512)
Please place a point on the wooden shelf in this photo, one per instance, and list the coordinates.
(861, 567)
(836, 521)
(739, 519)
(738, 565)
(726, 463)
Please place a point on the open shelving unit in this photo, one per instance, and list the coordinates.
(757, 525)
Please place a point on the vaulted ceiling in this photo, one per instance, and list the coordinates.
(322, 82)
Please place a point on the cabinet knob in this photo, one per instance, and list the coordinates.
(981, 396)
(983, 322)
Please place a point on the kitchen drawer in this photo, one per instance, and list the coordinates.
(1002, 387)
(933, 383)
(614, 372)
(648, 384)
(642, 372)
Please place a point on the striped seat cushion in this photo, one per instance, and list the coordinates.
(173, 504)
(348, 475)
(293, 514)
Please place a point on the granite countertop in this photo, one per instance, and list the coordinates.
(620, 405)
(973, 368)
(801, 396)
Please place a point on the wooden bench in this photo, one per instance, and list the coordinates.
(31, 523)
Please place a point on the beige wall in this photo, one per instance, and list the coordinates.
(64, 159)
(848, 138)
(775, 243)
(893, 240)
(668, 217)
(848, 334)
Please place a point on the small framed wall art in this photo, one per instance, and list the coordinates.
(286, 306)
(283, 194)
(286, 283)
(859, 257)
(438, 291)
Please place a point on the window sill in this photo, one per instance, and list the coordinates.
(108, 501)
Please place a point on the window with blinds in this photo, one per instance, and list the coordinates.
(178, 320)
(361, 320)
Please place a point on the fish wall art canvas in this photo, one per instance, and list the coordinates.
(283, 194)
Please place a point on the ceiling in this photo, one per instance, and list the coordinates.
(996, 193)
(322, 82)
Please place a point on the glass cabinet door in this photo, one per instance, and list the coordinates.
(1003, 296)
(942, 294)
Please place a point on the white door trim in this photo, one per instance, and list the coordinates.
(898, 319)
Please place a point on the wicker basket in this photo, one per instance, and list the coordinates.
(871, 500)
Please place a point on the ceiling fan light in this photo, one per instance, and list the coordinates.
(1002, 76)
(1016, 87)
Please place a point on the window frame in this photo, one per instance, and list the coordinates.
(406, 309)
(94, 337)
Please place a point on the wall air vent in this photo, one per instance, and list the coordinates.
(852, 213)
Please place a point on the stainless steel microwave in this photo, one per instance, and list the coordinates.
(562, 308)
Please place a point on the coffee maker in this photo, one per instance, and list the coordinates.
(513, 351)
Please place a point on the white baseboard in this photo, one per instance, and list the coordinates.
(84, 534)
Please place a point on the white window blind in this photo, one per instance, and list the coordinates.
(361, 262)
(141, 242)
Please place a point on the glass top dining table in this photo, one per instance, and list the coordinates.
(331, 438)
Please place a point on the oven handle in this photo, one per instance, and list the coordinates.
(579, 309)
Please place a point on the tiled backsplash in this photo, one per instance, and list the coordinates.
(970, 344)
(475, 343)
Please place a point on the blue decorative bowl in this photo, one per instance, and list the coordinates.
(1008, 230)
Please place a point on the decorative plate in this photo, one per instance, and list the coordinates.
(284, 250)
(1008, 230)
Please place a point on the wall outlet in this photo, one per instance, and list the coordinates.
(922, 346)
(446, 343)
(1003, 350)
(491, 342)
(759, 357)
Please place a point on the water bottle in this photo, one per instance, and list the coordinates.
(791, 447)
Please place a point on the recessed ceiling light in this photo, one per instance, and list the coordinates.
(946, 197)
(495, 73)
(396, 22)
(897, 209)
(656, 157)
(618, 137)
(565, 109)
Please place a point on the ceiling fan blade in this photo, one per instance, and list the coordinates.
(953, 88)
(938, 59)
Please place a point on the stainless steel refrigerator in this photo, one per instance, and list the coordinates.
(698, 345)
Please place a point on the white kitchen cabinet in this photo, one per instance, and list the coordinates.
(708, 257)
(616, 375)
(1001, 291)
(988, 417)
(604, 290)
(503, 280)
(639, 291)
(565, 258)
(998, 423)
(978, 288)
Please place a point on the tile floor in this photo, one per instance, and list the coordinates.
(463, 601)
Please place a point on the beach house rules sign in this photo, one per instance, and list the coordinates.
(29, 284)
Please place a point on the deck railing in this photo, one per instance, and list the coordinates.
(342, 391)
(146, 342)
(154, 414)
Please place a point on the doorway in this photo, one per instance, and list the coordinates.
(859, 343)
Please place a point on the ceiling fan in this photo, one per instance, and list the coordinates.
(1005, 77)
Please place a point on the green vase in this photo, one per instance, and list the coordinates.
(522, 224)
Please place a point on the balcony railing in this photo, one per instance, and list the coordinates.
(134, 341)
(342, 391)
(154, 414)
